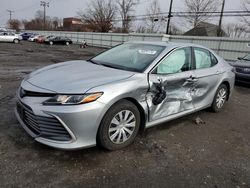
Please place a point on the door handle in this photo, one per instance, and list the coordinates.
(192, 79)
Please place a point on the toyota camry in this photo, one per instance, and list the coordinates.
(107, 99)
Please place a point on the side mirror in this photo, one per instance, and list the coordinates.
(160, 93)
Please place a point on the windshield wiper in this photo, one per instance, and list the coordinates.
(102, 64)
(94, 62)
(110, 66)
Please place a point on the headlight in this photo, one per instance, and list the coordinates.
(72, 99)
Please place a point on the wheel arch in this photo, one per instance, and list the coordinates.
(141, 110)
(143, 116)
(226, 83)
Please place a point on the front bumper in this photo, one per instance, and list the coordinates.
(241, 77)
(80, 121)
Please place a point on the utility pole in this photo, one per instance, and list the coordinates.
(10, 13)
(44, 5)
(219, 31)
(169, 16)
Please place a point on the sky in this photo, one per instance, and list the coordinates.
(25, 9)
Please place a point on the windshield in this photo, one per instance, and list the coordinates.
(131, 57)
(247, 57)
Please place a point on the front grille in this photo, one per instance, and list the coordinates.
(24, 93)
(46, 127)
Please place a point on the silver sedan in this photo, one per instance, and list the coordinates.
(108, 98)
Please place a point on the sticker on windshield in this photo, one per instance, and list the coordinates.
(148, 52)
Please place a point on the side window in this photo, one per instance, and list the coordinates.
(213, 59)
(204, 58)
(178, 61)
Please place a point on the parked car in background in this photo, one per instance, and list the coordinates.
(58, 40)
(42, 38)
(242, 69)
(9, 37)
(33, 38)
(26, 36)
(107, 98)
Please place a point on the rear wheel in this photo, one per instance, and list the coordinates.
(51, 43)
(220, 98)
(119, 126)
(67, 43)
(16, 41)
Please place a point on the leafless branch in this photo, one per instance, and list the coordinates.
(153, 21)
(125, 8)
(197, 6)
(99, 15)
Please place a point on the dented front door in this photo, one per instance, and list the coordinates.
(178, 98)
(172, 82)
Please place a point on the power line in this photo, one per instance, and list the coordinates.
(191, 13)
(25, 8)
(142, 2)
(182, 15)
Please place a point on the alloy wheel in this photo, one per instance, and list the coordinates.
(221, 98)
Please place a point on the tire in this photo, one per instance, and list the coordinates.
(51, 43)
(116, 133)
(67, 43)
(16, 41)
(220, 98)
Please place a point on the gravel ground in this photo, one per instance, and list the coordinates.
(180, 153)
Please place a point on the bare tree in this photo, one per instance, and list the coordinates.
(99, 15)
(37, 22)
(14, 24)
(174, 30)
(39, 14)
(55, 22)
(236, 30)
(153, 20)
(141, 29)
(125, 8)
(200, 10)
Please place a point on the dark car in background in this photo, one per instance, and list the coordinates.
(26, 36)
(242, 69)
(58, 40)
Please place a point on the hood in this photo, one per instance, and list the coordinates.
(75, 77)
(241, 63)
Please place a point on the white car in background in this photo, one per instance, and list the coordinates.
(9, 37)
(33, 38)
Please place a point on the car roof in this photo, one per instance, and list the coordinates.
(167, 44)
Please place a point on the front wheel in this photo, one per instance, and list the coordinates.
(16, 41)
(220, 98)
(51, 43)
(67, 43)
(119, 126)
